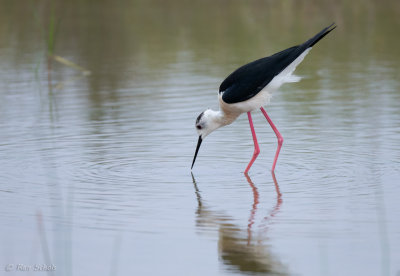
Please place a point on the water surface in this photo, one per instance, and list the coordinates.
(95, 169)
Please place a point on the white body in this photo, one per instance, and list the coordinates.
(211, 120)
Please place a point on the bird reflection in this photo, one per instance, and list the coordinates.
(238, 249)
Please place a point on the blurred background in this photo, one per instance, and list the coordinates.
(98, 101)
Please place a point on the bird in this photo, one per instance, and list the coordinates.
(250, 87)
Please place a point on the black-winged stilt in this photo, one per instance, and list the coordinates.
(250, 87)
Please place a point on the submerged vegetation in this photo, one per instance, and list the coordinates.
(48, 19)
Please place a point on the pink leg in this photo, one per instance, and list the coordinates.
(256, 148)
(278, 135)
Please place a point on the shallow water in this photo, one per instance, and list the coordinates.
(95, 170)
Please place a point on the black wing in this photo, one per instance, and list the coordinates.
(246, 81)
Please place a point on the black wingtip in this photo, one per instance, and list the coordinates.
(331, 27)
(333, 24)
(321, 35)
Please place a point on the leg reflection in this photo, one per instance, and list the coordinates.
(256, 201)
(275, 210)
(254, 207)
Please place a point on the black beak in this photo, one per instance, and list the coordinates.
(197, 150)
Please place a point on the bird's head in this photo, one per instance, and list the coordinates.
(208, 121)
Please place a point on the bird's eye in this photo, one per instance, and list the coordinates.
(198, 126)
